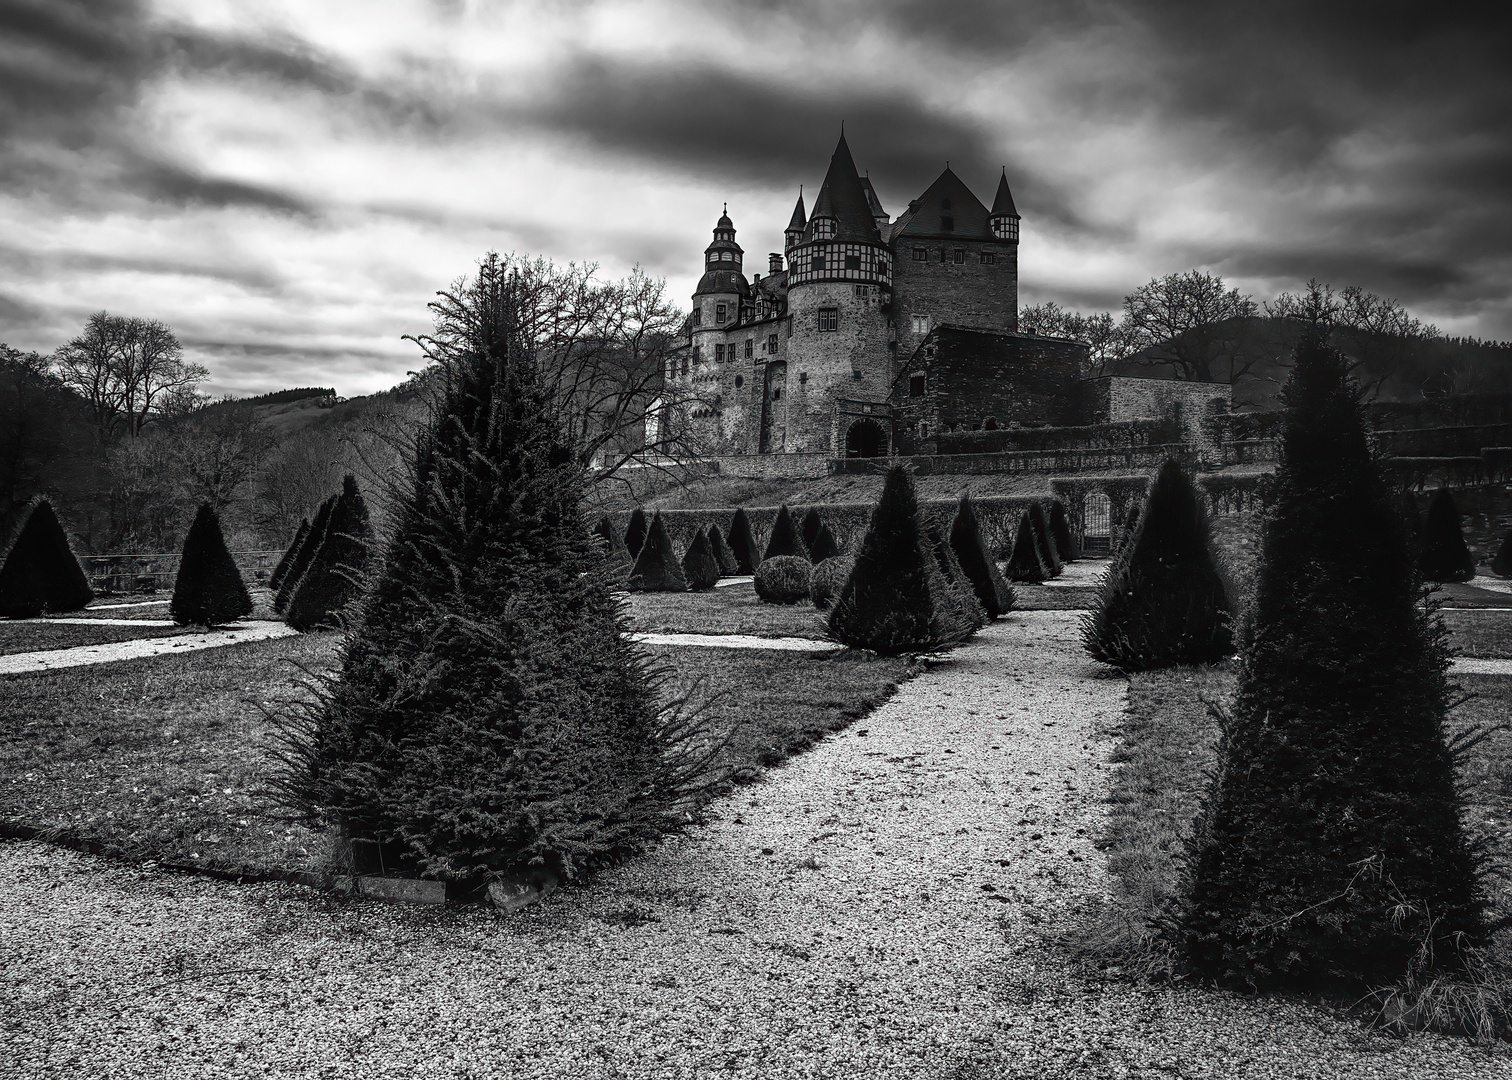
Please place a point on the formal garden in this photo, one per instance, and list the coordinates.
(738, 789)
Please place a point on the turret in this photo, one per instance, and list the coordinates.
(1004, 217)
(723, 253)
(796, 225)
(723, 289)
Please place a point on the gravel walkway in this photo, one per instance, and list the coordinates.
(131, 650)
(739, 641)
(876, 908)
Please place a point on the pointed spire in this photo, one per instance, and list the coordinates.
(1002, 203)
(800, 217)
(843, 198)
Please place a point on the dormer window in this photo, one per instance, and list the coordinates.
(1006, 228)
(824, 228)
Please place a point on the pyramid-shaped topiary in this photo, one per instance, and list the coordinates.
(824, 546)
(209, 589)
(615, 554)
(280, 571)
(728, 565)
(40, 573)
(743, 543)
(1164, 603)
(657, 568)
(961, 595)
(992, 590)
(1060, 532)
(785, 538)
(1330, 852)
(895, 600)
(491, 717)
(1445, 555)
(700, 568)
(301, 560)
(337, 571)
(635, 532)
(1043, 540)
(809, 528)
(1502, 563)
(1026, 563)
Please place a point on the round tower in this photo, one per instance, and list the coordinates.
(720, 299)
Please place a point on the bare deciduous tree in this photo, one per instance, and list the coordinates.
(1194, 324)
(1107, 341)
(1378, 336)
(127, 369)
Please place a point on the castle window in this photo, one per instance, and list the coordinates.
(960, 256)
(829, 318)
(990, 424)
(719, 354)
(721, 313)
(919, 323)
(739, 381)
(943, 255)
(916, 386)
(750, 348)
(789, 326)
(824, 228)
(921, 254)
(923, 430)
(697, 316)
(772, 343)
(685, 360)
(803, 376)
(818, 261)
(776, 393)
(989, 258)
(853, 262)
(947, 223)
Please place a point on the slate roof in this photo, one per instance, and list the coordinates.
(843, 197)
(925, 216)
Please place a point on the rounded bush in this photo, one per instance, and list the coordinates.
(828, 578)
(783, 579)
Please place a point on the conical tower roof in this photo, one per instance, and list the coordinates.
(844, 198)
(800, 217)
(1002, 202)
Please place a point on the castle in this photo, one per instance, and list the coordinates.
(868, 336)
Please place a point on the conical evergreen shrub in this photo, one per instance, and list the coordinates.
(824, 546)
(783, 579)
(1027, 562)
(785, 538)
(700, 568)
(992, 591)
(961, 595)
(209, 589)
(1330, 852)
(275, 579)
(728, 566)
(895, 600)
(1165, 604)
(1043, 540)
(1130, 531)
(657, 568)
(612, 549)
(492, 717)
(1060, 532)
(40, 573)
(338, 568)
(635, 532)
(1445, 555)
(809, 529)
(1502, 564)
(743, 543)
(301, 561)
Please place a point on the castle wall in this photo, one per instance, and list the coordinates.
(828, 366)
(959, 294)
(1121, 398)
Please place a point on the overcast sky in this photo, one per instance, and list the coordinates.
(287, 183)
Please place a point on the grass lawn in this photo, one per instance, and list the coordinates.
(164, 758)
(735, 609)
(36, 637)
(1165, 751)
(1480, 633)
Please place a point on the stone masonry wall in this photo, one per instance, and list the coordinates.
(1122, 398)
(960, 294)
(823, 365)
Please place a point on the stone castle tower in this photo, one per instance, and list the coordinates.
(805, 359)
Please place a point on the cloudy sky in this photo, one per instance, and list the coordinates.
(287, 183)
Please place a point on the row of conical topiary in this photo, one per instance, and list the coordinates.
(323, 571)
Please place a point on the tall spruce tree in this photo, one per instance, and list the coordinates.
(635, 532)
(785, 538)
(491, 717)
(895, 600)
(1330, 848)
(992, 591)
(301, 561)
(1165, 603)
(1445, 555)
(743, 543)
(336, 572)
(275, 579)
(1060, 532)
(209, 589)
(40, 573)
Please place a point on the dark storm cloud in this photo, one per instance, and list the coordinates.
(257, 279)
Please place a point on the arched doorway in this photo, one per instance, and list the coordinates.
(1097, 524)
(865, 438)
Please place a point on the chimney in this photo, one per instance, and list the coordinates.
(774, 262)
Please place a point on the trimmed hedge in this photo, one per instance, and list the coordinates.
(785, 539)
(635, 533)
(896, 599)
(612, 547)
(993, 592)
(728, 565)
(824, 546)
(657, 568)
(1060, 532)
(275, 579)
(1329, 853)
(301, 561)
(1164, 602)
(1502, 564)
(209, 589)
(40, 573)
(1026, 563)
(743, 544)
(1445, 556)
(809, 529)
(828, 578)
(961, 595)
(335, 576)
(700, 568)
(783, 579)
(1044, 541)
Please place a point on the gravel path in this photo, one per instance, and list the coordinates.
(82, 621)
(878, 907)
(131, 650)
(739, 641)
